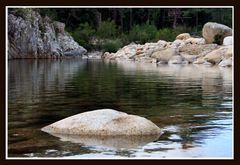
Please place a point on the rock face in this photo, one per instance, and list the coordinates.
(105, 122)
(31, 36)
(215, 32)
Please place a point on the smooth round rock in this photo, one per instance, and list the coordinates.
(104, 122)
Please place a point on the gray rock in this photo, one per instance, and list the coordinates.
(215, 32)
(32, 36)
(104, 122)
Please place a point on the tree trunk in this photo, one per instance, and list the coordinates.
(98, 18)
(174, 22)
(196, 21)
(131, 19)
(115, 15)
(121, 18)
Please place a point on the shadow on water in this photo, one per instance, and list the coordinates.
(192, 104)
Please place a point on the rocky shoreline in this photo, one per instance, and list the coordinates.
(214, 48)
(34, 36)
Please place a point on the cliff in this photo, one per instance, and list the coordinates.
(31, 36)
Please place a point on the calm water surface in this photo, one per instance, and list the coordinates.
(191, 103)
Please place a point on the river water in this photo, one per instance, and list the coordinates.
(192, 104)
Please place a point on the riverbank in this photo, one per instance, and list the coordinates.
(214, 48)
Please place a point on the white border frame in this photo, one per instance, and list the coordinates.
(90, 158)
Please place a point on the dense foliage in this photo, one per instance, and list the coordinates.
(91, 27)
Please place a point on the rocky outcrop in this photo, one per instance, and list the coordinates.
(184, 50)
(215, 32)
(105, 122)
(31, 36)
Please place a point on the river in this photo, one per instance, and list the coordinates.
(192, 104)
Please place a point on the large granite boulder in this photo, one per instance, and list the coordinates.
(104, 122)
(216, 56)
(215, 32)
(197, 49)
(31, 36)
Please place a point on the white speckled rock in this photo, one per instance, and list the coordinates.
(104, 122)
(227, 40)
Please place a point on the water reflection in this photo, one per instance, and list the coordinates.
(191, 103)
(115, 142)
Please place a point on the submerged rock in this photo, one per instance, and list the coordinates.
(104, 122)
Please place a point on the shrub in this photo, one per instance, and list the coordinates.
(182, 29)
(143, 33)
(166, 34)
(107, 29)
(83, 35)
(23, 12)
(112, 45)
(124, 39)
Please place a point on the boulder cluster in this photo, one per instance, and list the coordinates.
(214, 48)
